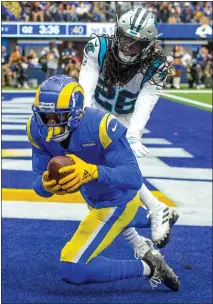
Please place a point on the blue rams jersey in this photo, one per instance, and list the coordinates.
(99, 139)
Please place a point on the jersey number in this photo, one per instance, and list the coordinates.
(121, 105)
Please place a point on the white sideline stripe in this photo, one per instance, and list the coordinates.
(13, 138)
(18, 91)
(16, 164)
(157, 152)
(187, 91)
(15, 111)
(93, 236)
(18, 120)
(78, 211)
(13, 127)
(168, 152)
(9, 105)
(156, 141)
(38, 210)
(188, 100)
(13, 116)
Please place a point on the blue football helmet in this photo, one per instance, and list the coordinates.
(58, 107)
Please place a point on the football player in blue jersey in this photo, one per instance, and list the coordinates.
(109, 178)
(124, 75)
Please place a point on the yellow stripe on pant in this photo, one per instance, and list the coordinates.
(98, 230)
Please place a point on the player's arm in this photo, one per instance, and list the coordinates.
(144, 105)
(121, 167)
(40, 158)
(90, 70)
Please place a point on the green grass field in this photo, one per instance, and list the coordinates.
(198, 98)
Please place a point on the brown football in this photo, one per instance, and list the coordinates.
(57, 163)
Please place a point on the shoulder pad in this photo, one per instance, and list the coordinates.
(110, 130)
(32, 132)
(96, 48)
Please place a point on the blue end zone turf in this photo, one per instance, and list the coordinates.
(31, 252)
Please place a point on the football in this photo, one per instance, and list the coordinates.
(57, 163)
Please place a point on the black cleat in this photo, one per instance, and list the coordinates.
(160, 271)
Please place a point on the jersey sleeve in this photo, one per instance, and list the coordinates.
(147, 99)
(110, 130)
(121, 167)
(94, 54)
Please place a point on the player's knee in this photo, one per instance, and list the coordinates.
(73, 273)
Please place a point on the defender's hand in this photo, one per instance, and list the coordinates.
(50, 186)
(137, 147)
(80, 173)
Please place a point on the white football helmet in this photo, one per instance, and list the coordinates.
(135, 35)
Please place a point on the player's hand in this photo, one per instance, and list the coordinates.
(137, 147)
(80, 173)
(50, 186)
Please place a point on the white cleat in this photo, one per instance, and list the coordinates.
(162, 220)
(143, 248)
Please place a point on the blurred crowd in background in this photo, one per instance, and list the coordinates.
(16, 66)
(92, 11)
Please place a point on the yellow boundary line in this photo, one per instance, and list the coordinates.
(30, 196)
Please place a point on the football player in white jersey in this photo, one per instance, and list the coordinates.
(123, 74)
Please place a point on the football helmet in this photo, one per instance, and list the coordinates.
(135, 34)
(58, 107)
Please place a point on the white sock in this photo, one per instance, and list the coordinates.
(146, 269)
(148, 198)
(133, 237)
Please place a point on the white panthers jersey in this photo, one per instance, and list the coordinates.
(131, 103)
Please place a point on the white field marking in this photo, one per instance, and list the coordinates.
(16, 164)
(8, 116)
(16, 106)
(18, 91)
(193, 198)
(187, 91)
(168, 152)
(15, 111)
(14, 138)
(157, 152)
(13, 127)
(38, 210)
(156, 141)
(154, 167)
(187, 100)
(12, 120)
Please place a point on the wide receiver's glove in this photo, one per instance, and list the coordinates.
(80, 173)
(137, 147)
(50, 186)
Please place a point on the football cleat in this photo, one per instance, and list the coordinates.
(162, 220)
(160, 271)
(141, 250)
